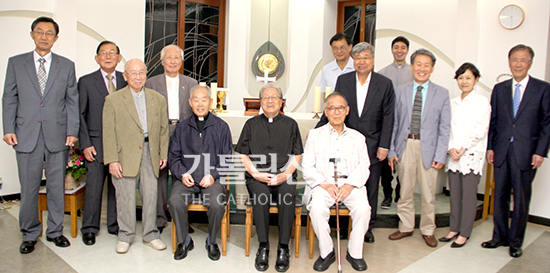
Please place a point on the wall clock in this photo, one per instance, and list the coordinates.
(511, 16)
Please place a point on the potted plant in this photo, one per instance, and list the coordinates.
(75, 168)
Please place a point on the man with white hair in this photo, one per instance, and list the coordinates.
(175, 87)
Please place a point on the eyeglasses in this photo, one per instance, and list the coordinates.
(333, 109)
(522, 61)
(39, 33)
(271, 98)
(135, 74)
(341, 48)
(363, 58)
(105, 53)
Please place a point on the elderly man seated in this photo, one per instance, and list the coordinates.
(334, 143)
(196, 149)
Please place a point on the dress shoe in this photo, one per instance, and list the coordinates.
(60, 241)
(113, 232)
(515, 252)
(122, 247)
(27, 247)
(182, 250)
(357, 264)
(399, 235)
(160, 229)
(457, 245)
(430, 240)
(282, 263)
(493, 244)
(156, 244)
(262, 259)
(191, 229)
(323, 264)
(369, 237)
(386, 204)
(444, 239)
(213, 251)
(88, 238)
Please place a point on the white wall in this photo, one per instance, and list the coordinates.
(83, 24)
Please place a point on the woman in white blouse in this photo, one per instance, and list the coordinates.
(467, 145)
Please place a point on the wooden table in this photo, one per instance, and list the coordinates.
(74, 200)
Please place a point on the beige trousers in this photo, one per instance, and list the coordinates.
(411, 169)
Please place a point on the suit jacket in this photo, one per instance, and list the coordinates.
(26, 110)
(530, 128)
(123, 135)
(158, 83)
(435, 126)
(376, 120)
(92, 91)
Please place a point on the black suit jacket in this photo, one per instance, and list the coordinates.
(92, 92)
(530, 128)
(376, 120)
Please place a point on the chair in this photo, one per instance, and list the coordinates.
(74, 201)
(197, 205)
(310, 233)
(489, 199)
(273, 210)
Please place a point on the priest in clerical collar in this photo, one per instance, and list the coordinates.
(271, 147)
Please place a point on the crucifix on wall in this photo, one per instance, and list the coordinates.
(266, 79)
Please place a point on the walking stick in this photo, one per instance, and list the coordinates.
(335, 160)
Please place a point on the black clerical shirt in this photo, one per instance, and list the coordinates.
(276, 141)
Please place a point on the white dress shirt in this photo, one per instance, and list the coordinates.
(331, 71)
(362, 90)
(469, 126)
(523, 83)
(172, 89)
(47, 63)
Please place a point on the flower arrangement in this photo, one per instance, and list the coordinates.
(75, 164)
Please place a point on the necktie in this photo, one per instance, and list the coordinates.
(517, 99)
(112, 87)
(417, 112)
(42, 77)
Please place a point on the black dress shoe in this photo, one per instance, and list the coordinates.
(386, 204)
(27, 247)
(493, 244)
(515, 252)
(113, 232)
(160, 229)
(445, 239)
(457, 245)
(357, 264)
(213, 251)
(191, 229)
(282, 263)
(369, 237)
(60, 241)
(182, 250)
(262, 259)
(88, 238)
(323, 264)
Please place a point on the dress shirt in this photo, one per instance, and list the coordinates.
(47, 63)
(337, 150)
(362, 90)
(398, 74)
(141, 107)
(172, 89)
(331, 71)
(424, 92)
(469, 126)
(523, 83)
(104, 74)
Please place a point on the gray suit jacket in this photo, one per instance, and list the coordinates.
(435, 125)
(92, 92)
(25, 110)
(158, 83)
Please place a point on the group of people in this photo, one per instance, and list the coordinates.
(137, 131)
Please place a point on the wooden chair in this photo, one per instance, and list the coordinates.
(296, 231)
(197, 205)
(310, 233)
(489, 199)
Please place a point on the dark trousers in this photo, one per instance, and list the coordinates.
(91, 216)
(162, 199)
(509, 176)
(463, 188)
(261, 195)
(387, 178)
(213, 198)
(372, 190)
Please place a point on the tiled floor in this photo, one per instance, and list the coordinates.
(407, 255)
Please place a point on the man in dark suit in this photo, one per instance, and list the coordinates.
(371, 99)
(519, 136)
(93, 88)
(176, 88)
(40, 115)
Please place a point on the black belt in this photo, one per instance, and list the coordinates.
(342, 176)
(173, 122)
(146, 139)
(414, 136)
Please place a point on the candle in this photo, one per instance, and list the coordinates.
(202, 83)
(317, 99)
(328, 90)
(213, 94)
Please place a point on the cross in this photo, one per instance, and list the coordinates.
(266, 79)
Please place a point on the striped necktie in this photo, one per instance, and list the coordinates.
(417, 112)
(112, 87)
